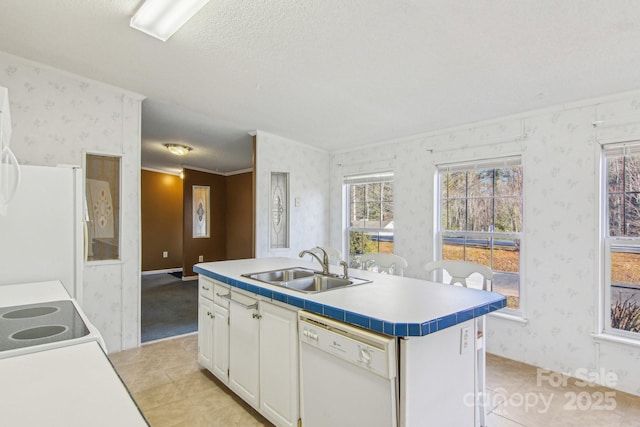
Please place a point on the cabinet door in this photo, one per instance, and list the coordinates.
(205, 331)
(220, 333)
(243, 349)
(279, 377)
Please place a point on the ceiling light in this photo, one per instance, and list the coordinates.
(162, 18)
(177, 149)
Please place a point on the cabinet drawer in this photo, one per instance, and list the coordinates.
(221, 294)
(205, 285)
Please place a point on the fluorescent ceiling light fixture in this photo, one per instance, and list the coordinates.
(162, 18)
(177, 149)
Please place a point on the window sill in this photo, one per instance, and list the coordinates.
(511, 317)
(104, 262)
(616, 339)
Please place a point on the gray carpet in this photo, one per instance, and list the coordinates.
(169, 306)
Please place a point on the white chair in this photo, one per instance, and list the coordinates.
(334, 255)
(383, 263)
(460, 272)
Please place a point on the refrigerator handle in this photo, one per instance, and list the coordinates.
(10, 192)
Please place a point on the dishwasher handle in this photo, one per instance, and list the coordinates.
(309, 334)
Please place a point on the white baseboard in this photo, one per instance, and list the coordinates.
(186, 278)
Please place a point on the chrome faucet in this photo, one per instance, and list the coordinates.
(324, 262)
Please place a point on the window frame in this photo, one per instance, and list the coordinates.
(482, 164)
(364, 178)
(117, 218)
(608, 242)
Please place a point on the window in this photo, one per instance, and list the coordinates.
(481, 220)
(279, 215)
(370, 210)
(103, 207)
(621, 188)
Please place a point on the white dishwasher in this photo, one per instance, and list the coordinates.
(348, 374)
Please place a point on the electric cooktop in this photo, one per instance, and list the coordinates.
(37, 324)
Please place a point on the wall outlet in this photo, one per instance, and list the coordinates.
(165, 254)
(200, 258)
(465, 340)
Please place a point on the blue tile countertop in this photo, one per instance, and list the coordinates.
(392, 305)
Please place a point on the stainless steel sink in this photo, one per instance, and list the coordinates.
(305, 280)
(284, 275)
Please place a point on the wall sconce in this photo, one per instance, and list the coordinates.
(178, 149)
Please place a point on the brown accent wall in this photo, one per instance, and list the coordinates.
(214, 247)
(240, 216)
(161, 217)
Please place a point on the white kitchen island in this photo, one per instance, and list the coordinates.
(437, 369)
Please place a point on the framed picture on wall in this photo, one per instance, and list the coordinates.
(201, 216)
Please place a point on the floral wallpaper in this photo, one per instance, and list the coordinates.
(56, 118)
(308, 184)
(560, 264)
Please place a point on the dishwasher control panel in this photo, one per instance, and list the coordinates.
(370, 351)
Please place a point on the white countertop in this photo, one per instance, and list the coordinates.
(32, 293)
(403, 306)
(73, 386)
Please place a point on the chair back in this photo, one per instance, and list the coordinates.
(334, 255)
(383, 263)
(461, 270)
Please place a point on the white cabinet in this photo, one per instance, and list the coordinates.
(205, 332)
(252, 346)
(279, 378)
(213, 328)
(244, 356)
(205, 321)
(220, 355)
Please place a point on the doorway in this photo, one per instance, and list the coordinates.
(169, 306)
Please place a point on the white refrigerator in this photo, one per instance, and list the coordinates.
(41, 233)
(9, 168)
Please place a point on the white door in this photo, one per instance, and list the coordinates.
(244, 333)
(220, 354)
(205, 332)
(279, 377)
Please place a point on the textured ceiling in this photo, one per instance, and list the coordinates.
(334, 73)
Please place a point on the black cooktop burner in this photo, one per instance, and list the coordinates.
(42, 323)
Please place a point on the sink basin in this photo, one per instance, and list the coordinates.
(284, 275)
(304, 280)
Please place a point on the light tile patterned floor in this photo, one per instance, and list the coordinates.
(172, 390)
(523, 395)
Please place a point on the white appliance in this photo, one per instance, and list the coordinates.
(9, 168)
(348, 375)
(41, 235)
(52, 377)
(39, 317)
